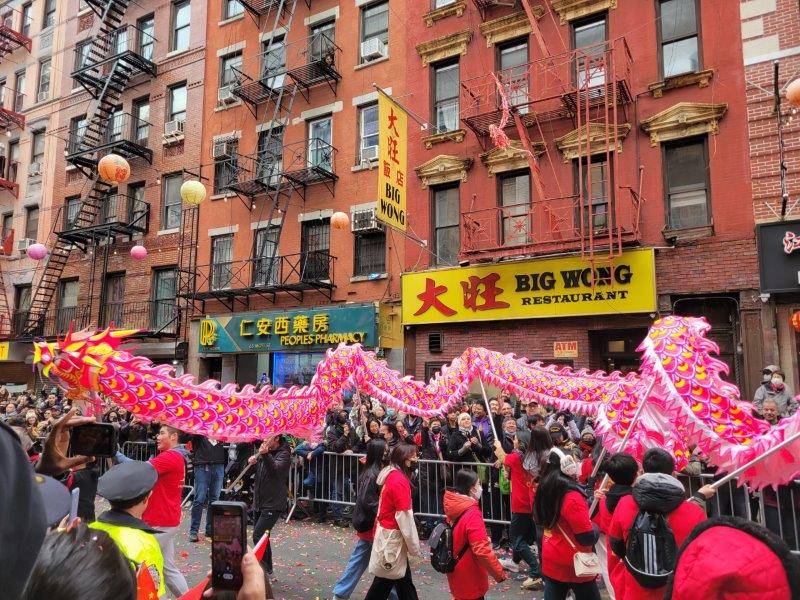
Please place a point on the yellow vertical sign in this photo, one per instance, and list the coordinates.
(392, 173)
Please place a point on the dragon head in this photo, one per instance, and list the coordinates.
(75, 362)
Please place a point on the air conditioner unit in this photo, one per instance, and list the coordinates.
(24, 243)
(369, 153)
(173, 128)
(373, 48)
(222, 150)
(364, 220)
(225, 95)
(34, 168)
(43, 96)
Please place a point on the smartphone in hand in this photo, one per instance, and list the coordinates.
(228, 544)
(93, 439)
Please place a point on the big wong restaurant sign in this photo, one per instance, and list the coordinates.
(534, 289)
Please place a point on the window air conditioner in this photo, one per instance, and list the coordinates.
(42, 97)
(369, 153)
(372, 49)
(221, 150)
(34, 168)
(173, 128)
(364, 220)
(22, 245)
(225, 95)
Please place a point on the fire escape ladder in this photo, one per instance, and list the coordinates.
(111, 13)
(5, 308)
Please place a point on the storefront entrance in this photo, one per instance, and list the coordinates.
(294, 368)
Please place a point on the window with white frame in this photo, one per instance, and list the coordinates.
(368, 132)
(176, 110)
(686, 183)
(43, 86)
(171, 201)
(374, 26)
(231, 8)
(228, 66)
(445, 99)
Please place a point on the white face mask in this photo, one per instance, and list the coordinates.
(476, 493)
(777, 380)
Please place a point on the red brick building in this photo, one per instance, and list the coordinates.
(635, 114)
(771, 44)
(290, 139)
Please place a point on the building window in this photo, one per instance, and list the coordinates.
(114, 300)
(13, 160)
(315, 248)
(31, 222)
(72, 206)
(115, 125)
(147, 40)
(109, 213)
(368, 133)
(26, 19)
(589, 36)
(49, 18)
(678, 35)
(228, 66)
(321, 44)
(595, 189)
(273, 62)
(181, 18)
(370, 253)
(177, 103)
(77, 129)
(226, 165)
(67, 305)
(374, 24)
(265, 253)
(513, 61)
(515, 206)
(232, 8)
(43, 87)
(19, 90)
(171, 201)
(37, 147)
(446, 214)
(137, 209)
(8, 225)
(221, 262)
(163, 296)
(22, 297)
(445, 99)
(82, 54)
(270, 155)
(141, 120)
(686, 184)
(320, 149)
(441, 3)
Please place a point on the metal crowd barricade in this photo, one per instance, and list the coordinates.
(139, 450)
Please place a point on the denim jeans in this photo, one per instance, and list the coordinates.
(356, 566)
(207, 486)
(522, 532)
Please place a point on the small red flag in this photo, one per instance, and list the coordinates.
(261, 546)
(145, 586)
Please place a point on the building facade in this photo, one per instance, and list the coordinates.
(290, 139)
(621, 193)
(771, 45)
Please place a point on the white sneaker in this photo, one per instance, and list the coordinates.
(509, 565)
(532, 584)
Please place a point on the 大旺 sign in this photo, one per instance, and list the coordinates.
(289, 330)
(390, 207)
(552, 287)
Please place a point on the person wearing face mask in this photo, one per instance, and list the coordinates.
(395, 534)
(432, 442)
(773, 386)
(341, 439)
(469, 579)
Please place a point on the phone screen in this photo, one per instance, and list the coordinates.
(228, 545)
(93, 439)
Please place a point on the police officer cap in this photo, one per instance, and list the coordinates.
(127, 481)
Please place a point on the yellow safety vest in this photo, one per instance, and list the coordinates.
(138, 546)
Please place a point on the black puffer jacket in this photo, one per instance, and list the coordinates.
(271, 488)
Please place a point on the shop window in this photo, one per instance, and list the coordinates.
(431, 368)
(679, 37)
(686, 184)
(294, 368)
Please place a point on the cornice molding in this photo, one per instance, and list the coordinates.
(591, 136)
(512, 158)
(444, 47)
(569, 10)
(456, 9)
(443, 169)
(508, 27)
(682, 120)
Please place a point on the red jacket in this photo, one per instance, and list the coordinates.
(164, 507)
(557, 553)
(681, 520)
(470, 578)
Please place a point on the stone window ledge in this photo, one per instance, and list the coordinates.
(700, 78)
(676, 236)
(373, 277)
(457, 136)
(369, 63)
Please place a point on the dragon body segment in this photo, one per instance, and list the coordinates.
(688, 402)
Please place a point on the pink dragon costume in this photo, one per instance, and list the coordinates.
(689, 403)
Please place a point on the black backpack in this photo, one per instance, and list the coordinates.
(651, 551)
(440, 542)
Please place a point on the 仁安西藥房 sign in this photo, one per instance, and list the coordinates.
(390, 207)
(551, 287)
(288, 330)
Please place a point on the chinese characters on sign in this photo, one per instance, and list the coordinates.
(558, 287)
(392, 163)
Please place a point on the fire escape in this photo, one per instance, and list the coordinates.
(587, 88)
(267, 179)
(92, 223)
(11, 117)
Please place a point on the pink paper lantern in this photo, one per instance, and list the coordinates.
(37, 251)
(139, 252)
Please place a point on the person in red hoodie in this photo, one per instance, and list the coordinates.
(560, 507)
(659, 492)
(470, 578)
(621, 469)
